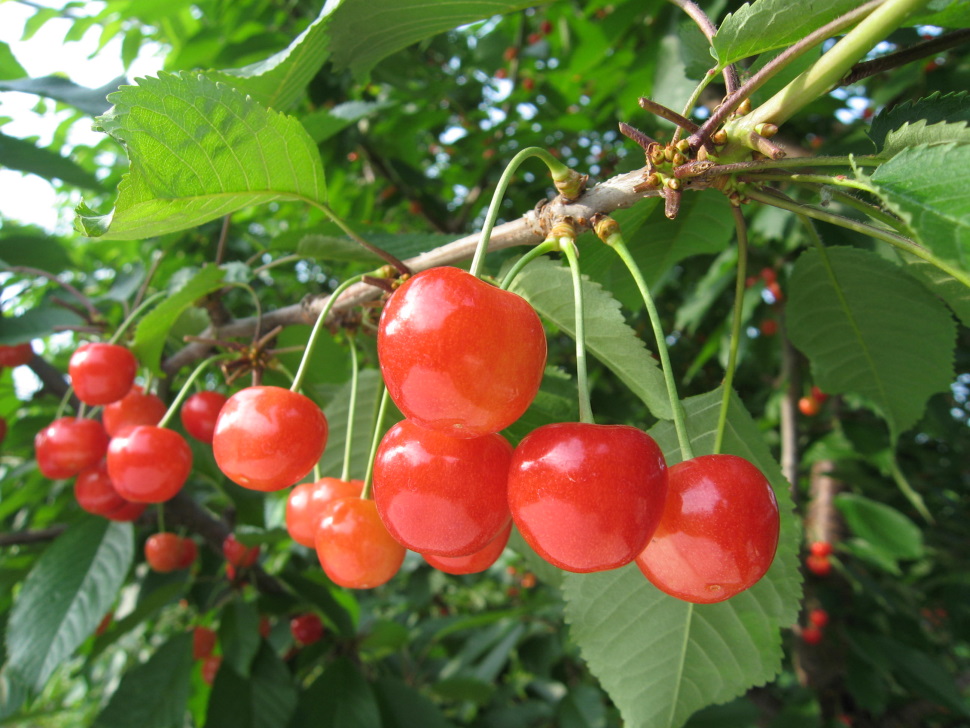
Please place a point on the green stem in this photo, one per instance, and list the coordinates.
(279, 261)
(742, 233)
(133, 316)
(375, 442)
(869, 160)
(161, 517)
(556, 167)
(915, 499)
(677, 410)
(822, 179)
(546, 246)
(826, 73)
(349, 231)
(892, 238)
(318, 326)
(568, 246)
(351, 407)
(184, 391)
(62, 406)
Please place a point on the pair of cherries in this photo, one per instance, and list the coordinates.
(463, 360)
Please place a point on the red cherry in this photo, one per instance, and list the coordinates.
(203, 642)
(820, 548)
(718, 533)
(353, 545)
(473, 563)
(135, 408)
(189, 553)
(128, 512)
(441, 495)
(306, 500)
(818, 394)
(3, 429)
(149, 464)
(95, 492)
(811, 635)
(460, 355)
(102, 373)
(809, 406)
(15, 355)
(239, 554)
(819, 618)
(306, 628)
(199, 414)
(210, 666)
(768, 275)
(264, 626)
(268, 438)
(546, 27)
(587, 497)
(818, 565)
(163, 552)
(69, 445)
(769, 327)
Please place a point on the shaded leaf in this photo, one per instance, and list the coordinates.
(239, 636)
(870, 329)
(92, 101)
(24, 156)
(339, 698)
(882, 526)
(199, 150)
(402, 706)
(65, 595)
(661, 659)
(267, 699)
(36, 251)
(934, 119)
(37, 322)
(548, 287)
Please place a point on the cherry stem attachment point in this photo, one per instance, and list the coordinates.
(610, 234)
(318, 325)
(365, 494)
(351, 407)
(732, 363)
(562, 175)
(568, 247)
(187, 387)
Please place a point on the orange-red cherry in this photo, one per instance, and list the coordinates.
(68, 445)
(353, 545)
(718, 533)
(268, 438)
(203, 642)
(102, 373)
(149, 464)
(587, 497)
(306, 628)
(473, 563)
(438, 494)
(199, 414)
(237, 553)
(96, 494)
(163, 551)
(460, 355)
(16, 354)
(306, 500)
(135, 408)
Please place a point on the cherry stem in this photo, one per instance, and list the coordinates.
(318, 325)
(546, 246)
(556, 168)
(160, 510)
(732, 363)
(365, 494)
(64, 402)
(349, 232)
(776, 199)
(618, 244)
(351, 408)
(187, 387)
(133, 316)
(568, 247)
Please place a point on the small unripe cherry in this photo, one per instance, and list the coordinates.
(809, 406)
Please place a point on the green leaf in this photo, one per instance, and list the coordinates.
(239, 636)
(63, 599)
(267, 699)
(929, 187)
(325, 123)
(200, 150)
(953, 292)
(36, 251)
(339, 698)
(334, 612)
(361, 34)
(870, 329)
(279, 81)
(661, 659)
(882, 526)
(764, 25)
(548, 287)
(37, 322)
(944, 13)
(91, 101)
(369, 389)
(404, 707)
(935, 119)
(154, 694)
(154, 327)
(10, 68)
(24, 156)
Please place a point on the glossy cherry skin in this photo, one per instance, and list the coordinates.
(268, 438)
(15, 355)
(96, 494)
(69, 445)
(102, 373)
(460, 355)
(149, 464)
(306, 500)
(718, 533)
(199, 414)
(441, 495)
(239, 554)
(473, 563)
(203, 642)
(163, 552)
(189, 553)
(353, 545)
(587, 497)
(135, 408)
(306, 628)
